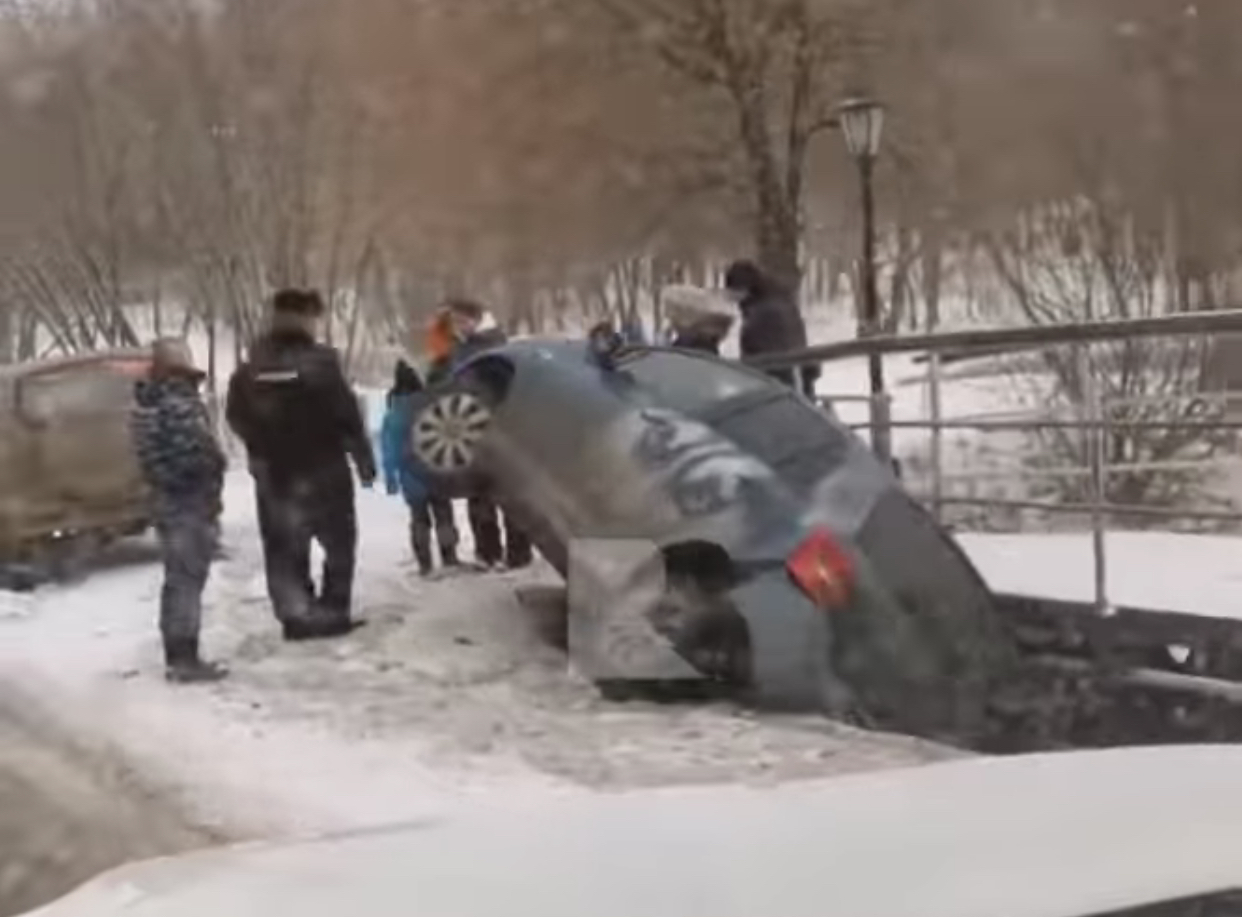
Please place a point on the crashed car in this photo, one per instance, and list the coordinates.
(790, 564)
(1125, 833)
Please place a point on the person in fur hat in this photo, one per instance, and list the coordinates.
(700, 320)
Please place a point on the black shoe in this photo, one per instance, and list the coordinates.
(448, 557)
(183, 665)
(196, 672)
(320, 629)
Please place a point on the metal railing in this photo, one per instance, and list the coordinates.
(1093, 418)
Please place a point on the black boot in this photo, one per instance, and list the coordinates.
(319, 629)
(422, 553)
(184, 666)
(448, 556)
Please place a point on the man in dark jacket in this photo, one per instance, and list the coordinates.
(183, 465)
(475, 330)
(301, 424)
(771, 322)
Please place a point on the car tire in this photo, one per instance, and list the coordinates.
(447, 433)
(710, 636)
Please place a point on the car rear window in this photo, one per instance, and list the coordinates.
(689, 383)
(79, 392)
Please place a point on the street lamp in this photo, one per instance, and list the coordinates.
(862, 123)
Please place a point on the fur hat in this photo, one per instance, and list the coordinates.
(173, 357)
(686, 305)
(306, 303)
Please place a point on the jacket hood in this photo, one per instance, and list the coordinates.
(405, 379)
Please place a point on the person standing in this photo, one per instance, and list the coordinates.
(183, 464)
(771, 322)
(498, 542)
(294, 411)
(403, 474)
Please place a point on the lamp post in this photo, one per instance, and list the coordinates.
(862, 123)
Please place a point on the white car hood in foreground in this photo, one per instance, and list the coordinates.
(1042, 836)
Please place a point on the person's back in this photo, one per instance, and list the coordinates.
(771, 321)
(291, 406)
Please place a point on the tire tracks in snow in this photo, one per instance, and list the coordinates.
(72, 810)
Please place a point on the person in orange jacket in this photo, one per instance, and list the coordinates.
(440, 344)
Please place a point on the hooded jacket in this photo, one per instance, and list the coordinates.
(403, 473)
(771, 322)
(177, 451)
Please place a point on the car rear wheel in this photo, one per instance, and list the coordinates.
(446, 435)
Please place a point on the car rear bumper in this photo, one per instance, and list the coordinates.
(790, 642)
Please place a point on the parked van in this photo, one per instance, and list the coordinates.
(69, 478)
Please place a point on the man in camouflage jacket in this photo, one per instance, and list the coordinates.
(183, 465)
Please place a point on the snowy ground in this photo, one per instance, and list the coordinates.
(447, 693)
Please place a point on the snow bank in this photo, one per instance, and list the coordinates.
(1195, 574)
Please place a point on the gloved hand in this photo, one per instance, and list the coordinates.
(367, 475)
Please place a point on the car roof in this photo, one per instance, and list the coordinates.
(544, 348)
(1059, 835)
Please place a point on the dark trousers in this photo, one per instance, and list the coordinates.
(187, 535)
(490, 545)
(426, 515)
(293, 512)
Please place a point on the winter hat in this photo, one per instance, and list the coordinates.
(173, 357)
(405, 379)
(686, 305)
(466, 308)
(306, 303)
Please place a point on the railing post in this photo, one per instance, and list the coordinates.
(882, 426)
(937, 434)
(1093, 433)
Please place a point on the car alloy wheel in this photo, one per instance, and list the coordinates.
(447, 434)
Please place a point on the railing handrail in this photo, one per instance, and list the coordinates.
(1028, 337)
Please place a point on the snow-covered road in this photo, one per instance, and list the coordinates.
(447, 693)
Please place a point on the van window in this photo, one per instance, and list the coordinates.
(44, 397)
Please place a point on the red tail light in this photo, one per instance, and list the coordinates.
(823, 570)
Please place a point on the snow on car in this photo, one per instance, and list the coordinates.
(1084, 834)
(794, 567)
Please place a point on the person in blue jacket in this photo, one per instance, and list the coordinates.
(402, 475)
